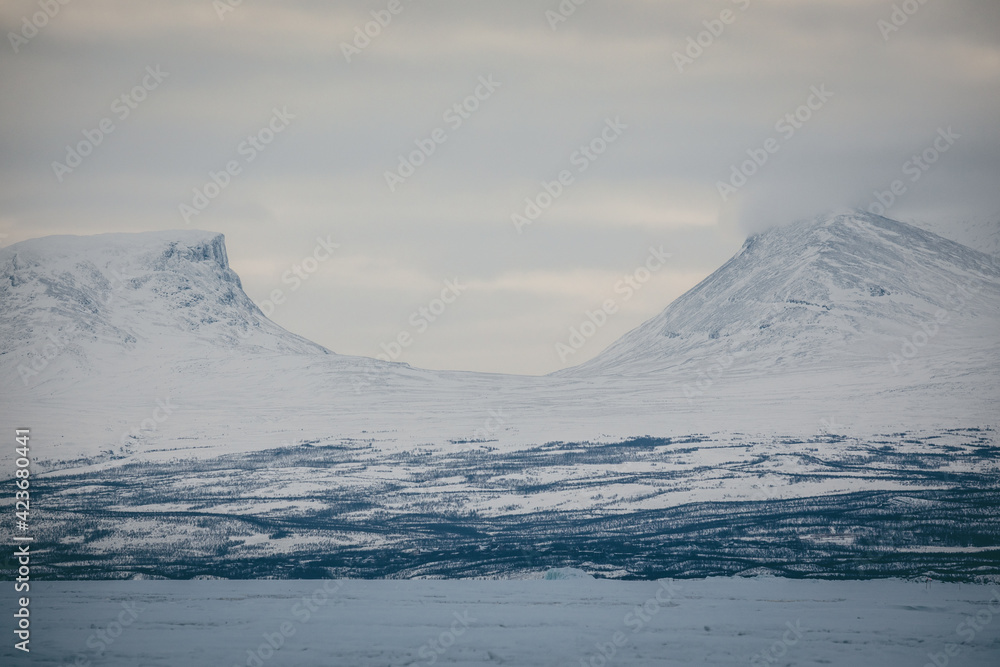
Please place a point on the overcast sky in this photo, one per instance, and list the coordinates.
(667, 120)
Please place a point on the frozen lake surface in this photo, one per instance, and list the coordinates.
(355, 623)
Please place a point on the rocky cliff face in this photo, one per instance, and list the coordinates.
(83, 301)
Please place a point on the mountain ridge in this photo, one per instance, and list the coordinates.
(762, 334)
(831, 282)
(94, 297)
(193, 451)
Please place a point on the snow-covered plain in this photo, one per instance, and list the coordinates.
(574, 622)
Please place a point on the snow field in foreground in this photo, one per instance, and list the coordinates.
(357, 623)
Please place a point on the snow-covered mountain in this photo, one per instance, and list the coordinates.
(823, 293)
(841, 367)
(983, 234)
(875, 321)
(82, 302)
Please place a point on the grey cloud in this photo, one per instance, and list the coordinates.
(325, 173)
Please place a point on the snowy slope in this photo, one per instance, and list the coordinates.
(832, 291)
(169, 416)
(797, 330)
(84, 301)
(983, 234)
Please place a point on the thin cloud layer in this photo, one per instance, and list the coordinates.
(700, 89)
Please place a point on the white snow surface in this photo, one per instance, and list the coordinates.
(834, 292)
(793, 334)
(530, 623)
